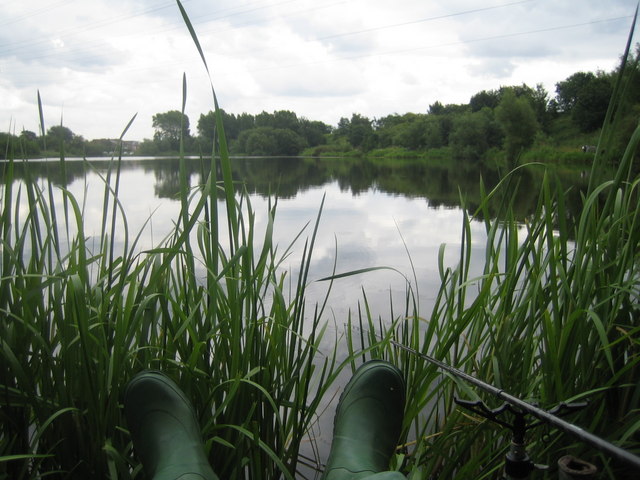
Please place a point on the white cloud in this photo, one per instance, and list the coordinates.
(99, 62)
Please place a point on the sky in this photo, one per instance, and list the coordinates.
(97, 63)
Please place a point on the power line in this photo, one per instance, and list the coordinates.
(75, 30)
(442, 45)
(87, 48)
(423, 20)
(409, 50)
(35, 13)
(177, 23)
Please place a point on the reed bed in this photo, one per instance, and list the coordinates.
(219, 315)
(553, 317)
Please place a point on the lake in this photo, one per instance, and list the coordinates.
(377, 213)
(391, 213)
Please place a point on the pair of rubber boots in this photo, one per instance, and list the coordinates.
(367, 425)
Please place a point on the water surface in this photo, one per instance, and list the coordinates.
(392, 213)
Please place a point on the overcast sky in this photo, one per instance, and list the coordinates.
(98, 62)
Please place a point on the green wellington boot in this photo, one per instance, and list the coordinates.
(367, 424)
(165, 432)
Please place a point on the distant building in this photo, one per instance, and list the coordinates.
(129, 147)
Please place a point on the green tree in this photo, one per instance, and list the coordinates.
(409, 132)
(285, 119)
(541, 107)
(468, 138)
(483, 99)
(6, 145)
(436, 108)
(343, 127)
(101, 146)
(59, 135)
(288, 142)
(384, 127)
(29, 143)
(591, 104)
(518, 121)
(148, 147)
(259, 142)
(473, 134)
(433, 132)
(359, 132)
(449, 109)
(270, 141)
(445, 115)
(207, 129)
(568, 90)
(246, 121)
(314, 132)
(168, 126)
(28, 135)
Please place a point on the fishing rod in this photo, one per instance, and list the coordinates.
(518, 465)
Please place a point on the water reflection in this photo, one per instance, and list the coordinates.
(369, 205)
(447, 185)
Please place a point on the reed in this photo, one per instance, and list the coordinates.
(217, 313)
(553, 317)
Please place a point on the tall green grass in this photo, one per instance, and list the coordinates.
(219, 315)
(553, 317)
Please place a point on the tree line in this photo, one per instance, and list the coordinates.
(58, 139)
(507, 120)
(279, 133)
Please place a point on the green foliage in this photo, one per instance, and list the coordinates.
(148, 147)
(277, 133)
(568, 90)
(270, 141)
(518, 121)
(411, 131)
(552, 317)
(314, 132)
(585, 96)
(281, 119)
(29, 145)
(80, 319)
(359, 132)
(483, 99)
(591, 105)
(259, 141)
(59, 134)
(473, 134)
(170, 127)
(6, 145)
(207, 126)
